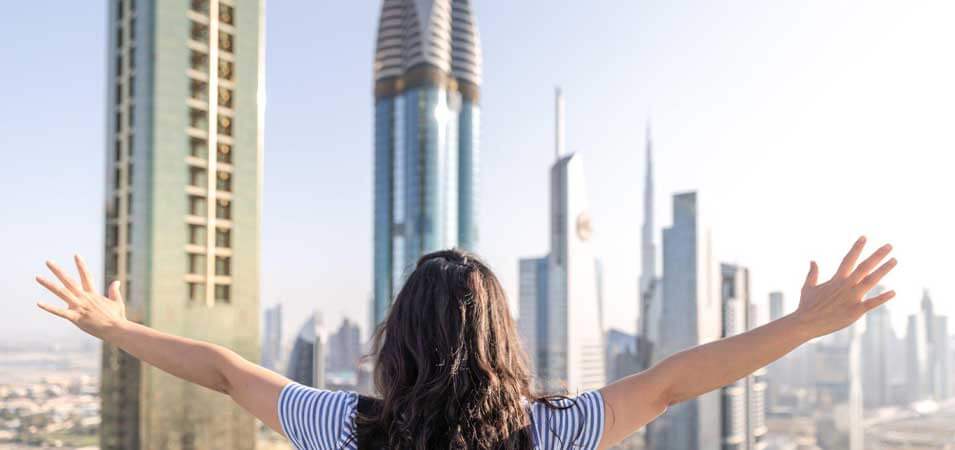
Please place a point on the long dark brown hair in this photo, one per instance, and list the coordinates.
(450, 369)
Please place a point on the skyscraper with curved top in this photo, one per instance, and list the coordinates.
(427, 72)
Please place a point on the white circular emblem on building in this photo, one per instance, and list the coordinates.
(584, 227)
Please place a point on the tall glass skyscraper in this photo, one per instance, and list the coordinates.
(183, 189)
(691, 315)
(427, 78)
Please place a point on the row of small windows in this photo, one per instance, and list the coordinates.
(198, 148)
(199, 90)
(198, 178)
(197, 292)
(199, 119)
(196, 264)
(197, 207)
(226, 12)
(197, 236)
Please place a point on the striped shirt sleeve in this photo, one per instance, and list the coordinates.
(315, 419)
(576, 423)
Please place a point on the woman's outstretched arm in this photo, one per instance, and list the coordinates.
(823, 308)
(254, 388)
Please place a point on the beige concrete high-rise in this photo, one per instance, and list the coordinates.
(183, 202)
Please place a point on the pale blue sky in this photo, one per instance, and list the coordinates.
(802, 123)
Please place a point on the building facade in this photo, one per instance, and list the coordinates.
(743, 408)
(344, 348)
(308, 361)
(692, 315)
(427, 74)
(272, 338)
(877, 343)
(839, 395)
(183, 198)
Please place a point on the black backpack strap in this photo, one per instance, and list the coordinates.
(367, 437)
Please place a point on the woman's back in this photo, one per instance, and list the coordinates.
(316, 419)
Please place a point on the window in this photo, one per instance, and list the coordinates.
(129, 233)
(198, 61)
(225, 69)
(222, 293)
(129, 204)
(196, 292)
(197, 147)
(225, 125)
(197, 206)
(225, 14)
(225, 97)
(223, 210)
(225, 41)
(129, 115)
(223, 238)
(200, 6)
(199, 32)
(197, 234)
(224, 153)
(119, 121)
(112, 262)
(196, 264)
(223, 265)
(112, 235)
(197, 177)
(132, 31)
(119, 93)
(198, 90)
(129, 264)
(129, 176)
(116, 179)
(119, 9)
(119, 65)
(119, 150)
(132, 56)
(224, 182)
(197, 119)
(132, 87)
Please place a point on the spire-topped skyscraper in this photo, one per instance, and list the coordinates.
(559, 294)
(427, 86)
(650, 292)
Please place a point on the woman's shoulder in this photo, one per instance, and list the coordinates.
(568, 422)
(316, 418)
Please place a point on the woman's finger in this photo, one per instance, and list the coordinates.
(67, 296)
(64, 278)
(870, 263)
(84, 274)
(114, 292)
(878, 300)
(72, 316)
(812, 278)
(850, 259)
(873, 278)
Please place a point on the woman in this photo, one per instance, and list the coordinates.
(450, 369)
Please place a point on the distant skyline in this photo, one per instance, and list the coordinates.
(802, 125)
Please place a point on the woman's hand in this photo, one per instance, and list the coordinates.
(837, 303)
(87, 309)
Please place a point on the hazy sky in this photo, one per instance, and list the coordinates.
(803, 124)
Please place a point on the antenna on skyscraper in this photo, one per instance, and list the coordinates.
(559, 123)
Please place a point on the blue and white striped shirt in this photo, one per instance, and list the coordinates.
(315, 419)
